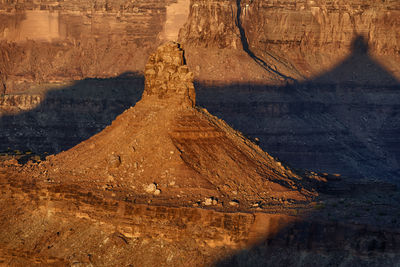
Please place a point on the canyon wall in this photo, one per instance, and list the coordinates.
(258, 41)
(317, 35)
(299, 39)
(69, 40)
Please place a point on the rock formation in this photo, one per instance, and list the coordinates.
(165, 143)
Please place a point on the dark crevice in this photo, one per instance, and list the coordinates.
(247, 49)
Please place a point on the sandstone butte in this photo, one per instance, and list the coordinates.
(167, 146)
(168, 184)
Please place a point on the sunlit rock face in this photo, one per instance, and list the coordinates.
(300, 39)
(62, 41)
(212, 24)
(42, 26)
(176, 17)
(316, 35)
(168, 77)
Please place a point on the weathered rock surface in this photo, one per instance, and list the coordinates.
(168, 78)
(266, 41)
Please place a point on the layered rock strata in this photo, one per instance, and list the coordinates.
(53, 224)
(60, 41)
(315, 35)
(299, 40)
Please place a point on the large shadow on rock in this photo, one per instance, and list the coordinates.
(66, 116)
(359, 69)
(317, 243)
(344, 121)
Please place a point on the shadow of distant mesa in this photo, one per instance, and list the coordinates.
(358, 69)
(68, 115)
(344, 121)
(313, 243)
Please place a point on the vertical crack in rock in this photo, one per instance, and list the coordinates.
(247, 49)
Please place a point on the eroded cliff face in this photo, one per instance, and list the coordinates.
(316, 35)
(226, 41)
(300, 39)
(67, 40)
(213, 40)
(212, 24)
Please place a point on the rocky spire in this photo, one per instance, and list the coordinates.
(164, 147)
(168, 77)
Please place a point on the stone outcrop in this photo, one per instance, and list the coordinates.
(165, 141)
(212, 24)
(15, 104)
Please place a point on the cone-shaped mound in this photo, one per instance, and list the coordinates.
(165, 147)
